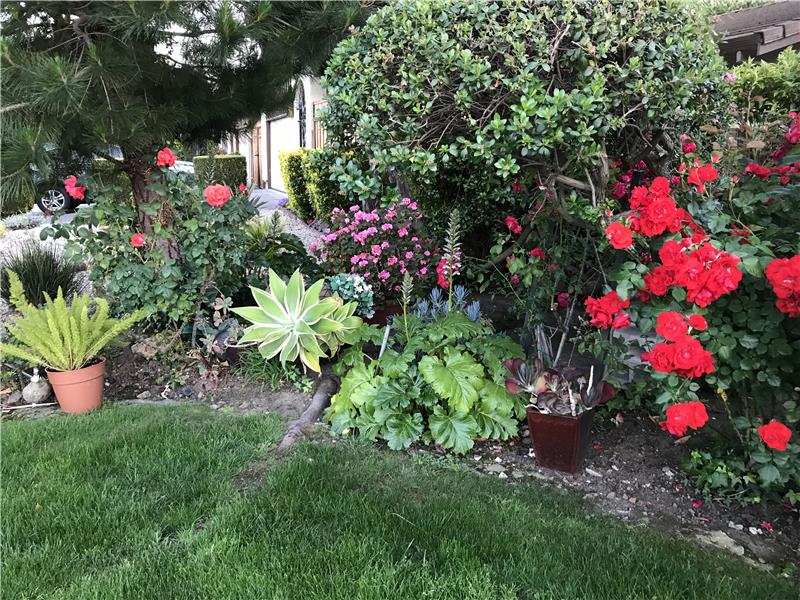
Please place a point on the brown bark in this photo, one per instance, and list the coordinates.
(139, 173)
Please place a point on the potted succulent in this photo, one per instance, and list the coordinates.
(67, 340)
(559, 409)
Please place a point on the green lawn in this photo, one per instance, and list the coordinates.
(137, 502)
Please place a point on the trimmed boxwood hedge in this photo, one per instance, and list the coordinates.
(291, 163)
(230, 169)
(323, 192)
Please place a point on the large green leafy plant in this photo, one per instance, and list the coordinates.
(291, 322)
(59, 336)
(460, 98)
(441, 382)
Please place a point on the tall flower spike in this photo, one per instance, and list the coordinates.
(452, 253)
(407, 289)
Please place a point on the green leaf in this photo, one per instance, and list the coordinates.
(393, 364)
(403, 430)
(454, 430)
(769, 473)
(457, 380)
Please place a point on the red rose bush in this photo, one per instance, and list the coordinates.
(719, 308)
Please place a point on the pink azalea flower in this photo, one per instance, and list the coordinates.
(386, 227)
(383, 275)
(402, 232)
(409, 255)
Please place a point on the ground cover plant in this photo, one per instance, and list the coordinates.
(139, 501)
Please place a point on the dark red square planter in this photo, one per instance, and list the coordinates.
(559, 441)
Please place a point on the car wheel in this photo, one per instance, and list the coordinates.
(53, 200)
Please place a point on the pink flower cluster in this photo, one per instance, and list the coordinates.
(380, 245)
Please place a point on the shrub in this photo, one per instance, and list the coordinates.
(270, 247)
(18, 204)
(778, 83)
(42, 269)
(353, 288)
(61, 337)
(166, 271)
(107, 175)
(380, 245)
(323, 192)
(452, 94)
(723, 297)
(443, 383)
(230, 169)
(293, 178)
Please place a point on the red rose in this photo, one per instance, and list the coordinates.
(671, 326)
(619, 191)
(775, 435)
(699, 176)
(687, 415)
(758, 170)
(513, 225)
(137, 240)
(689, 147)
(621, 321)
(165, 158)
(217, 195)
(538, 253)
(73, 189)
(657, 282)
(619, 236)
(515, 280)
(563, 299)
(697, 322)
(242, 187)
(783, 274)
(603, 310)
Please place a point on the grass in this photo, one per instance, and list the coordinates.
(121, 493)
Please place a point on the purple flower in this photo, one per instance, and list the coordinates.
(283, 201)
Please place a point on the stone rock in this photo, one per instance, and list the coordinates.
(37, 392)
(495, 469)
(720, 539)
(143, 395)
(147, 348)
(498, 460)
(502, 476)
(517, 474)
(187, 391)
(14, 399)
(593, 473)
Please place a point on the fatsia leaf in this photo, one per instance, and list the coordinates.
(393, 364)
(491, 424)
(495, 398)
(403, 430)
(453, 429)
(392, 395)
(457, 380)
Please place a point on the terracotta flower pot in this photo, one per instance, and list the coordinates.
(79, 391)
(559, 441)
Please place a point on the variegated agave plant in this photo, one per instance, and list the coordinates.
(291, 322)
(564, 392)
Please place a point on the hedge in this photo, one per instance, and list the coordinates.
(230, 169)
(291, 163)
(323, 192)
(778, 83)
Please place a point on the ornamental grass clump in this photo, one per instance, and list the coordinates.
(59, 336)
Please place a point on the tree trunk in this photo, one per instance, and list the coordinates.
(139, 173)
